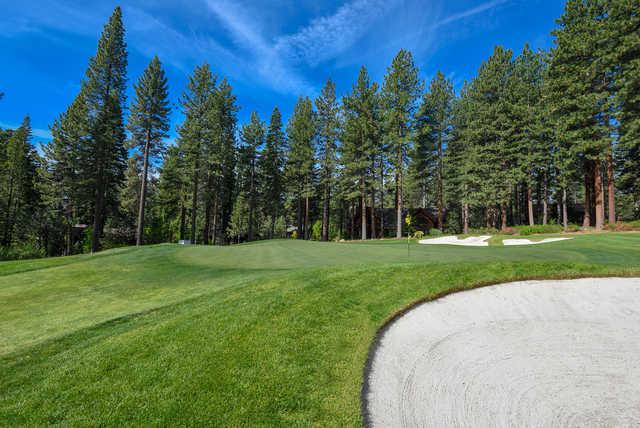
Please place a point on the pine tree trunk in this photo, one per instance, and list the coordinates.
(252, 200)
(440, 185)
(98, 213)
(611, 191)
(183, 218)
(299, 226)
(597, 184)
(503, 212)
(565, 217)
(214, 226)
(373, 213)
(206, 229)
(306, 218)
(381, 197)
(465, 219)
(363, 210)
(143, 192)
(194, 202)
(399, 195)
(530, 204)
(325, 213)
(351, 216)
(545, 203)
(586, 222)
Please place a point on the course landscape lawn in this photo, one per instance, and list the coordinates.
(264, 334)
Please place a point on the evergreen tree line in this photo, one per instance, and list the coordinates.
(535, 138)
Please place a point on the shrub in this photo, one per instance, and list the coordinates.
(294, 234)
(21, 251)
(316, 230)
(483, 231)
(435, 232)
(573, 228)
(625, 226)
(538, 228)
(508, 231)
(419, 234)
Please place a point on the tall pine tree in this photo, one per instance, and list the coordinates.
(328, 123)
(103, 154)
(400, 91)
(149, 124)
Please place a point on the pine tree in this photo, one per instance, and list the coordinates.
(359, 144)
(400, 92)
(433, 134)
(299, 170)
(130, 194)
(173, 194)
(238, 224)
(328, 123)
(196, 102)
(579, 88)
(462, 170)
(103, 154)
(624, 32)
(271, 164)
(218, 153)
(252, 138)
(531, 145)
(69, 196)
(149, 124)
(18, 175)
(491, 129)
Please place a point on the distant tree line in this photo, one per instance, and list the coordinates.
(535, 138)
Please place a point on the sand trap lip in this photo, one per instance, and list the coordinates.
(534, 353)
(472, 241)
(530, 242)
(481, 241)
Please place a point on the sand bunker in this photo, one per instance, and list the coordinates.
(472, 241)
(481, 241)
(536, 353)
(530, 242)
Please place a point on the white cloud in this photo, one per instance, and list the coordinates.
(470, 12)
(263, 57)
(327, 37)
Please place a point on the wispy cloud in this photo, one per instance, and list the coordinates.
(329, 36)
(469, 12)
(264, 58)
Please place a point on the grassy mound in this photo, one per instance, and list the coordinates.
(272, 333)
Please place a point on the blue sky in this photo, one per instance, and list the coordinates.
(271, 51)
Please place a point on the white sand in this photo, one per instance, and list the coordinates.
(530, 242)
(472, 241)
(481, 241)
(538, 353)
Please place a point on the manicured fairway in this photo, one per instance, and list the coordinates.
(271, 333)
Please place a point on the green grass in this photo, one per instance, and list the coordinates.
(264, 334)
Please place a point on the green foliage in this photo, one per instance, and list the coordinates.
(316, 231)
(433, 133)
(400, 93)
(22, 251)
(328, 123)
(538, 229)
(271, 179)
(239, 224)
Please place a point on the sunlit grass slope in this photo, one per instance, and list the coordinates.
(271, 333)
